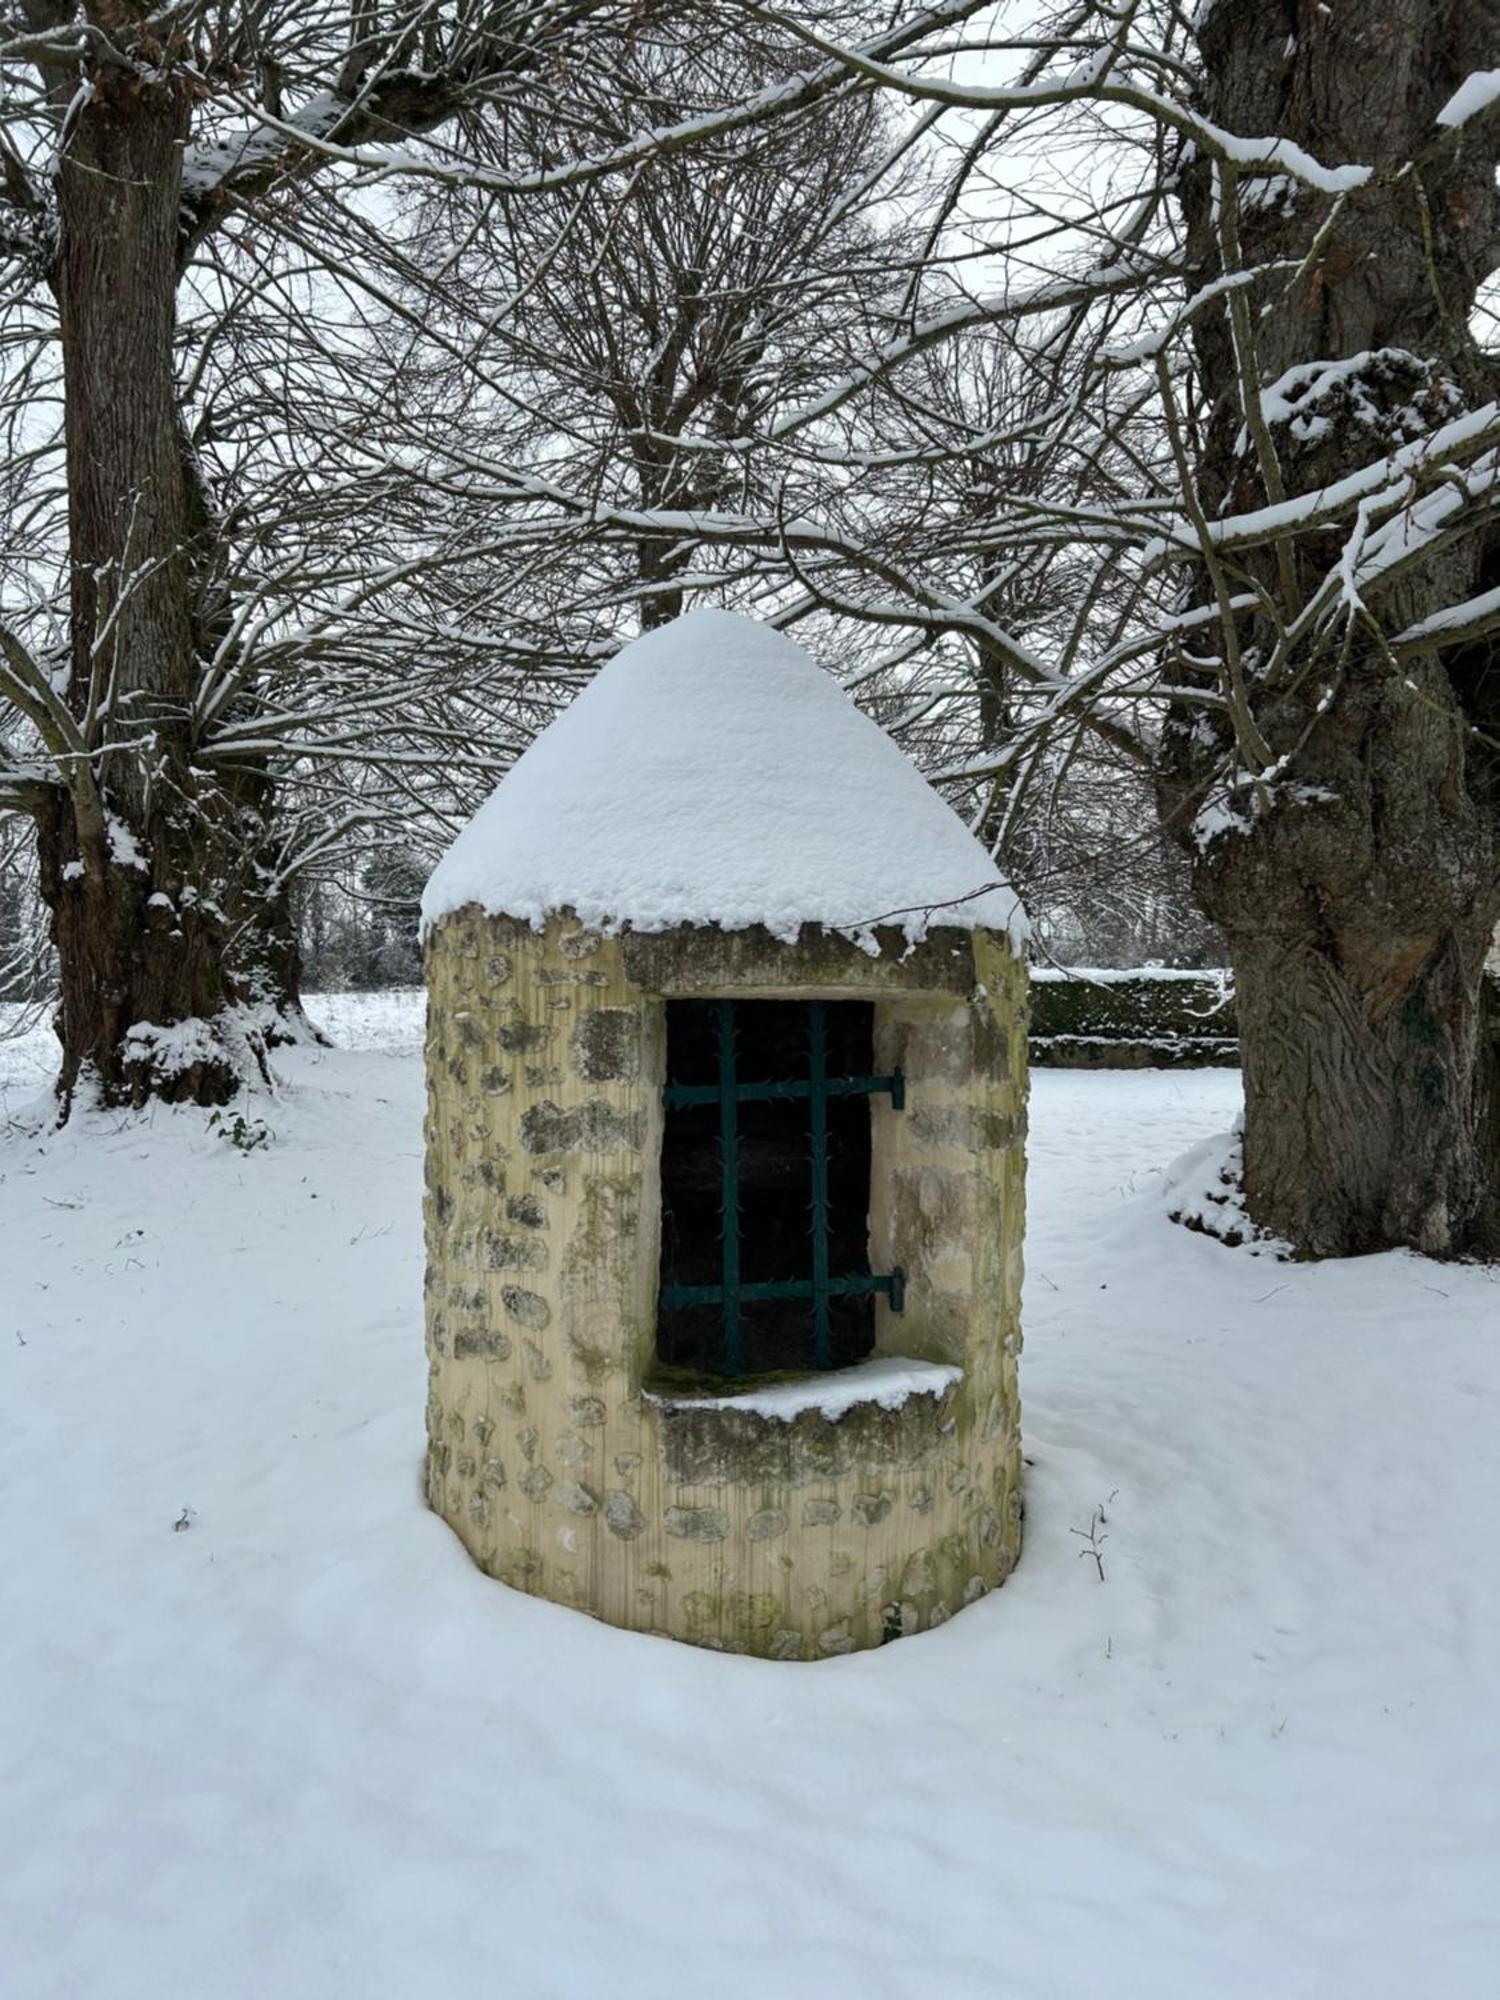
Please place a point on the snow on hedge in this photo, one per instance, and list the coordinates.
(712, 773)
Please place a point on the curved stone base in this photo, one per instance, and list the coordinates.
(550, 1454)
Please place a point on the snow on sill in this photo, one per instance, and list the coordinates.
(889, 1380)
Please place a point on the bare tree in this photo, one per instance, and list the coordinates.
(136, 133)
(1262, 234)
(245, 581)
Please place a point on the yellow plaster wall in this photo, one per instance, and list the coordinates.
(548, 1455)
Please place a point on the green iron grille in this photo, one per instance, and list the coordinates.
(729, 1093)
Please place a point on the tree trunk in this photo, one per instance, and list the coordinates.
(1359, 889)
(155, 905)
(1365, 1110)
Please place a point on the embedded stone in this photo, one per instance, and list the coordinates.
(606, 1045)
(525, 1308)
(538, 1364)
(871, 1508)
(835, 1639)
(535, 1481)
(578, 1498)
(484, 1346)
(622, 1517)
(591, 1127)
(821, 1513)
(588, 1412)
(521, 1037)
(919, 1578)
(526, 1210)
(492, 1475)
(514, 1253)
(785, 1645)
(766, 1525)
(697, 1524)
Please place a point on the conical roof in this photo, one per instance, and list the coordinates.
(712, 773)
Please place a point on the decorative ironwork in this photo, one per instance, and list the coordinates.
(729, 1092)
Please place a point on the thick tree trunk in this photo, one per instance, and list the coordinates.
(156, 911)
(1365, 1110)
(1358, 890)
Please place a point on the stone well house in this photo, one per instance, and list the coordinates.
(726, 1083)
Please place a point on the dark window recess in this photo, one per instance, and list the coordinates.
(765, 1185)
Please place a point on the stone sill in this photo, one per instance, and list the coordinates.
(888, 1412)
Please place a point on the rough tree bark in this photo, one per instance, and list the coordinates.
(1359, 894)
(159, 863)
(142, 894)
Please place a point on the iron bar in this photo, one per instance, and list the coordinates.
(729, 1148)
(817, 1076)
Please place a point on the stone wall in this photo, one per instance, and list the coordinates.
(550, 1454)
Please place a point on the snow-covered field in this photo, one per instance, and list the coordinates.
(267, 1734)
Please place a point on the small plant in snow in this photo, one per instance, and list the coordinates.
(244, 1134)
(1094, 1536)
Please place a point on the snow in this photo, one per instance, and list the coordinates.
(889, 1381)
(123, 846)
(174, 1048)
(1116, 975)
(298, 1746)
(711, 773)
(1475, 94)
(1386, 481)
(1454, 618)
(1285, 157)
(1288, 398)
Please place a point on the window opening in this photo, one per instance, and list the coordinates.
(766, 1186)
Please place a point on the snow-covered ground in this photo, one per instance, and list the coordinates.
(267, 1734)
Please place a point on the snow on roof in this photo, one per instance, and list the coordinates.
(712, 773)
